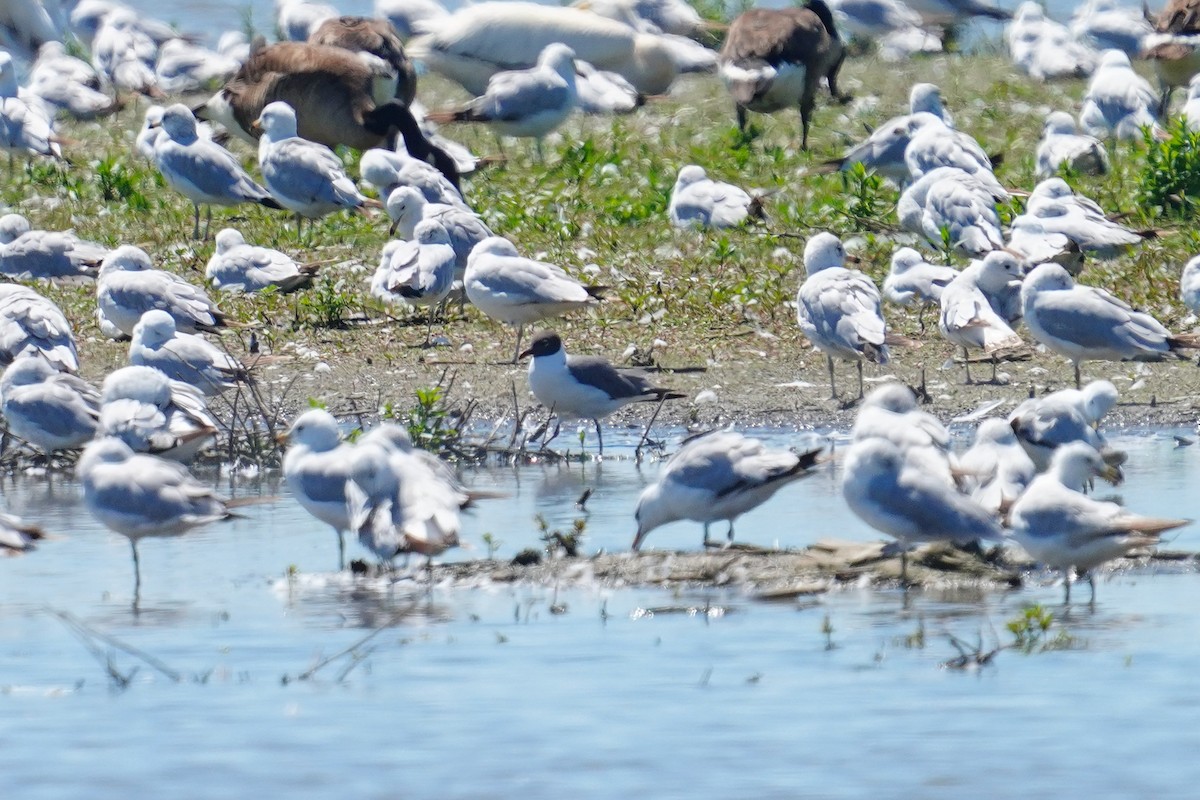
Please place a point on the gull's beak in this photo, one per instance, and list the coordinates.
(153, 125)
(851, 258)
(637, 541)
(392, 228)
(526, 352)
(1112, 473)
(283, 436)
(256, 126)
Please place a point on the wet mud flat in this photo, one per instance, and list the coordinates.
(767, 574)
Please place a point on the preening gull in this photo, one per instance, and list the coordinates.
(718, 475)
(967, 317)
(419, 272)
(153, 414)
(1042, 425)
(407, 207)
(995, 469)
(585, 387)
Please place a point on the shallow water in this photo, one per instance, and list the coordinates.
(485, 692)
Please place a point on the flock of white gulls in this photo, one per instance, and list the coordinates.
(351, 81)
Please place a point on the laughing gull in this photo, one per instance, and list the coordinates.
(898, 496)
(140, 495)
(718, 475)
(201, 170)
(508, 287)
(1063, 528)
(51, 410)
(774, 59)
(315, 467)
(236, 266)
(585, 387)
(1088, 324)
(529, 102)
(838, 309)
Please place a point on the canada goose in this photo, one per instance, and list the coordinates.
(1178, 16)
(337, 95)
(374, 36)
(775, 58)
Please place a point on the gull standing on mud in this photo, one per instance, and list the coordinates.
(718, 475)
(510, 288)
(585, 387)
(1063, 528)
(899, 497)
(316, 466)
(1083, 323)
(236, 266)
(697, 201)
(128, 286)
(968, 319)
(183, 357)
(306, 178)
(139, 495)
(913, 280)
(838, 309)
(417, 273)
(51, 410)
(529, 102)
(201, 170)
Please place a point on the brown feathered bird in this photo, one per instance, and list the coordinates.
(377, 37)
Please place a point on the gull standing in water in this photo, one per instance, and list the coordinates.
(316, 466)
(508, 287)
(899, 497)
(838, 309)
(585, 387)
(718, 475)
(528, 102)
(1088, 324)
(996, 469)
(1063, 528)
(697, 201)
(1043, 425)
(139, 495)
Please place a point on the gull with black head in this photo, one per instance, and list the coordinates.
(585, 387)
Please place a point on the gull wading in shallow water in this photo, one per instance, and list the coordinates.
(316, 466)
(718, 475)
(585, 387)
(1063, 528)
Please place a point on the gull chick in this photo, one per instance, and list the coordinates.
(585, 387)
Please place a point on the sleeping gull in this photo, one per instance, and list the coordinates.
(529, 102)
(201, 170)
(1119, 103)
(1060, 210)
(140, 495)
(33, 325)
(128, 285)
(305, 177)
(1042, 425)
(1105, 25)
(890, 412)
(1063, 528)
(899, 497)
(967, 317)
(775, 58)
(17, 537)
(585, 387)
(506, 286)
(1044, 49)
(913, 280)
(45, 255)
(718, 475)
(602, 92)
(24, 128)
(183, 357)
(1088, 324)
(69, 84)
(697, 201)
(183, 66)
(316, 466)
(153, 414)
(51, 410)
(960, 213)
(241, 267)
(417, 273)
(838, 309)
(125, 53)
(1029, 240)
(1063, 145)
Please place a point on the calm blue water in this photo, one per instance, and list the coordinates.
(483, 692)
